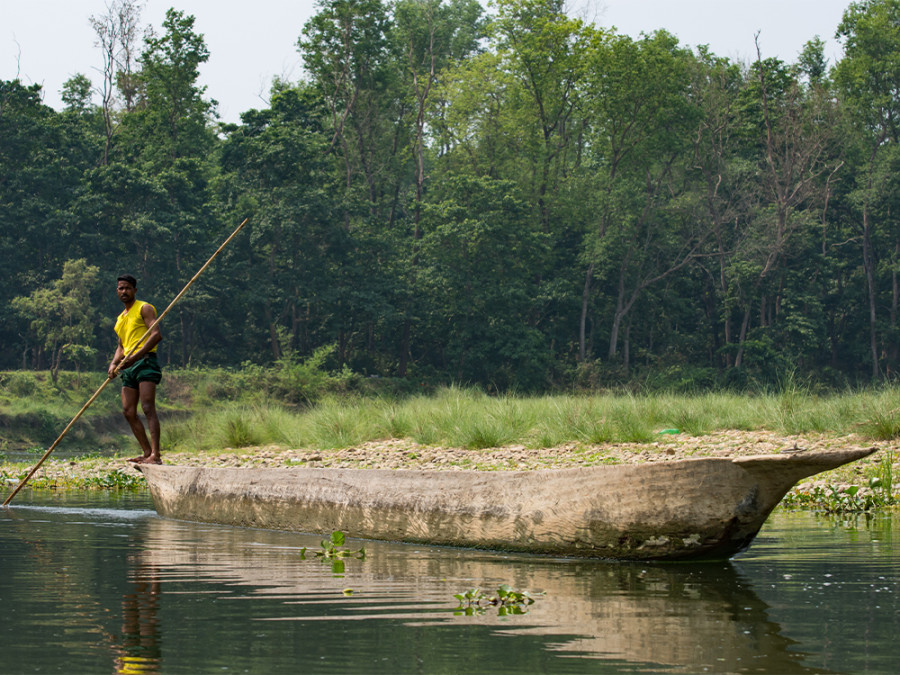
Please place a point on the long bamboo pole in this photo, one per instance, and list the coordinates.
(116, 371)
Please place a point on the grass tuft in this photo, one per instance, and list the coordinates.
(883, 426)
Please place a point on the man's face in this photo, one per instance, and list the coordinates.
(125, 291)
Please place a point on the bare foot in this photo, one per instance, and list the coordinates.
(137, 460)
(151, 460)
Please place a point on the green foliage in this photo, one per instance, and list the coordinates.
(882, 483)
(175, 114)
(76, 93)
(333, 552)
(290, 380)
(834, 499)
(522, 203)
(61, 315)
(478, 266)
(107, 480)
(872, 45)
(18, 384)
(506, 599)
(333, 548)
(211, 409)
(117, 480)
(239, 433)
(877, 494)
(307, 380)
(34, 410)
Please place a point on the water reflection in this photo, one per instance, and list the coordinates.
(139, 649)
(94, 587)
(44, 550)
(682, 618)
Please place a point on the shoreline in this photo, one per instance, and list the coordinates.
(405, 454)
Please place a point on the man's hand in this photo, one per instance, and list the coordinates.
(129, 361)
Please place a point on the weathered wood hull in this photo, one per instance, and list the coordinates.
(706, 508)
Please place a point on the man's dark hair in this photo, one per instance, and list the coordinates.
(130, 279)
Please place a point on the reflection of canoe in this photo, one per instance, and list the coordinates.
(707, 508)
(651, 618)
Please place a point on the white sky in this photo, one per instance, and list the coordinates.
(48, 41)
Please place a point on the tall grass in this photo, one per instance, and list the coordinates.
(213, 409)
(459, 417)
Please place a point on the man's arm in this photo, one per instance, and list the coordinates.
(117, 358)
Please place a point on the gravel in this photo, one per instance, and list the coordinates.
(404, 454)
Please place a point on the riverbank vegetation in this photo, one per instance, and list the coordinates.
(307, 407)
(456, 417)
(242, 418)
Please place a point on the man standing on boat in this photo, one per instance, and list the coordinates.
(140, 371)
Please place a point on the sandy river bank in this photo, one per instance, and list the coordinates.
(399, 454)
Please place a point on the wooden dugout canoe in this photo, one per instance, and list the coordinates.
(704, 508)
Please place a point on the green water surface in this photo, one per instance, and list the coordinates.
(96, 583)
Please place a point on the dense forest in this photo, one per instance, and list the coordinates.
(512, 198)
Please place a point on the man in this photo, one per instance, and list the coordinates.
(140, 371)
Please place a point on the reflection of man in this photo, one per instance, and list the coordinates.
(140, 371)
(140, 650)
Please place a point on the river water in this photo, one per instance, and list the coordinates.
(96, 583)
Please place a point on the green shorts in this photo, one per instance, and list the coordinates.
(145, 370)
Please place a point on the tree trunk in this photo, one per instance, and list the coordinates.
(869, 266)
(582, 351)
(893, 347)
(184, 338)
(404, 349)
(614, 333)
(273, 332)
(739, 358)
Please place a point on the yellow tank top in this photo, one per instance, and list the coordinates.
(130, 326)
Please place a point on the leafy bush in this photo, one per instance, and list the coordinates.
(18, 383)
(307, 381)
(289, 381)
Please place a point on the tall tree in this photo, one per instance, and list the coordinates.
(478, 257)
(869, 80)
(724, 177)
(434, 36)
(641, 115)
(276, 170)
(174, 112)
(61, 317)
(345, 50)
(430, 36)
(117, 35)
(794, 128)
(157, 191)
(545, 51)
(43, 156)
